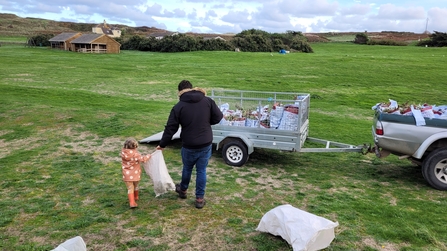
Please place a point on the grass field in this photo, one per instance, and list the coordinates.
(65, 115)
(341, 38)
(12, 40)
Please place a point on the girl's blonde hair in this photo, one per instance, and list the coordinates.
(130, 143)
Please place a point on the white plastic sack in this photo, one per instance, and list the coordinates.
(302, 230)
(417, 114)
(289, 120)
(276, 115)
(73, 244)
(156, 169)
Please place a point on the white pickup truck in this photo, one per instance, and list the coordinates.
(424, 145)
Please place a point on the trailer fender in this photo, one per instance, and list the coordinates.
(427, 143)
(247, 142)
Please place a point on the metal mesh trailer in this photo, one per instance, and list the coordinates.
(273, 120)
(238, 142)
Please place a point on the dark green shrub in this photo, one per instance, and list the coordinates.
(178, 43)
(302, 46)
(386, 42)
(40, 40)
(361, 38)
(249, 40)
(278, 44)
(261, 41)
(132, 43)
(215, 45)
(148, 44)
(437, 39)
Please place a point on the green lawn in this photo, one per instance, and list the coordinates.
(64, 117)
(12, 39)
(341, 38)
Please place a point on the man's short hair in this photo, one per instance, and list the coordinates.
(184, 84)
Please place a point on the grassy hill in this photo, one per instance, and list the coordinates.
(13, 25)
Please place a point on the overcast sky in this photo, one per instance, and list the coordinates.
(233, 16)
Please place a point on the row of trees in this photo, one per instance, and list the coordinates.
(176, 43)
(249, 40)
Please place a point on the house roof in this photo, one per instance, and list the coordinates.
(62, 37)
(107, 31)
(86, 38)
(106, 26)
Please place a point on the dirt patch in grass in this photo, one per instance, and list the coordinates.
(369, 242)
(87, 143)
(3, 132)
(7, 147)
(71, 140)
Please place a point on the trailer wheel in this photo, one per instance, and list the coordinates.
(434, 169)
(235, 153)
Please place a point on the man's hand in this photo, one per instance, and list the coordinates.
(159, 148)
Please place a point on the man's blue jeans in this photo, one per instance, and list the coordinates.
(199, 158)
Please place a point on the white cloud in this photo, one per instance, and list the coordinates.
(392, 12)
(308, 7)
(356, 9)
(155, 10)
(437, 20)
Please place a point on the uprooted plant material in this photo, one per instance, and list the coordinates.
(408, 109)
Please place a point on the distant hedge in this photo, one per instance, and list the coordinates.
(40, 40)
(437, 39)
(249, 40)
(361, 38)
(386, 42)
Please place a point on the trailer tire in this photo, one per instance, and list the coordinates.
(434, 169)
(235, 153)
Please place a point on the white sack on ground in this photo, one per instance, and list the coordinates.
(157, 170)
(302, 230)
(73, 244)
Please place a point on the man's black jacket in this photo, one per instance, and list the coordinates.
(195, 113)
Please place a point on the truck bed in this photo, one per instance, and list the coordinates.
(396, 118)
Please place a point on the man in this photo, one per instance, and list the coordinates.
(195, 113)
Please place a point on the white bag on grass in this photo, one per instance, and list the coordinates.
(157, 170)
(73, 244)
(302, 230)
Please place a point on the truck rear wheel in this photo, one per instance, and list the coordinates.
(235, 153)
(434, 169)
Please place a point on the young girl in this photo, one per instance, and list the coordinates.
(131, 169)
